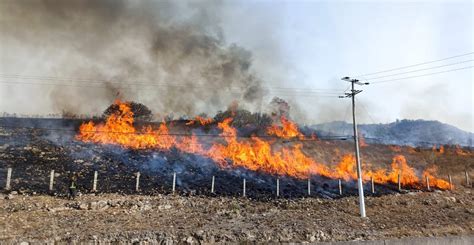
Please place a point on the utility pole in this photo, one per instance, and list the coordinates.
(360, 185)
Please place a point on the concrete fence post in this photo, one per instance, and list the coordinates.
(278, 187)
(372, 184)
(212, 184)
(428, 183)
(51, 180)
(137, 182)
(399, 180)
(174, 182)
(94, 182)
(9, 178)
(340, 187)
(243, 187)
(467, 178)
(309, 187)
(450, 182)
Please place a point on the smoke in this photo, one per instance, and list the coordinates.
(171, 56)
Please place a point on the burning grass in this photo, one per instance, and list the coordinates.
(256, 153)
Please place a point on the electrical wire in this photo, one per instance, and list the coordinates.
(414, 65)
(422, 75)
(161, 134)
(424, 69)
(160, 84)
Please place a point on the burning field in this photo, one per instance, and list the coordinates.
(200, 148)
(232, 147)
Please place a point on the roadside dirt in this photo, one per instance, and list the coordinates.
(166, 218)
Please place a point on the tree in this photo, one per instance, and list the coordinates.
(140, 111)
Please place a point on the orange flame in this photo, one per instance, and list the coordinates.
(439, 183)
(287, 130)
(201, 120)
(255, 154)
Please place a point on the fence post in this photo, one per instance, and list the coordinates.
(340, 187)
(51, 180)
(450, 182)
(243, 192)
(467, 178)
(427, 183)
(137, 183)
(174, 182)
(372, 184)
(309, 187)
(94, 182)
(212, 184)
(278, 187)
(399, 182)
(9, 178)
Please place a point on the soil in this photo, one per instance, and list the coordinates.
(172, 218)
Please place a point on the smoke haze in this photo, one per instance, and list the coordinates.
(170, 56)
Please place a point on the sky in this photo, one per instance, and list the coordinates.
(319, 42)
(294, 44)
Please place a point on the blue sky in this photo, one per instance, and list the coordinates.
(314, 43)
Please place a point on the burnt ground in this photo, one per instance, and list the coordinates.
(132, 218)
(117, 212)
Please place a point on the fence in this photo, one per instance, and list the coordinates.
(54, 182)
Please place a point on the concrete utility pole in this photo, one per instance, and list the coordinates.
(360, 185)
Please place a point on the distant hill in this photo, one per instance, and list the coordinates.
(402, 132)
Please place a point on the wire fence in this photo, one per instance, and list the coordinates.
(27, 180)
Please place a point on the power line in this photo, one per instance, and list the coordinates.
(329, 137)
(235, 92)
(428, 74)
(160, 84)
(418, 64)
(367, 111)
(334, 137)
(424, 69)
(319, 94)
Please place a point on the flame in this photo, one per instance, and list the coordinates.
(255, 154)
(119, 130)
(439, 183)
(400, 167)
(440, 150)
(258, 155)
(287, 130)
(201, 120)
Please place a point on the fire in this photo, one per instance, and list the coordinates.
(440, 150)
(201, 120)
(119, 130)
(254, 154)
(400, 167)
(258, 155)
(346, 169)
(287, 130)
(439, 183)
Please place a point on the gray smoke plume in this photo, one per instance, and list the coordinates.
(171, 56)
